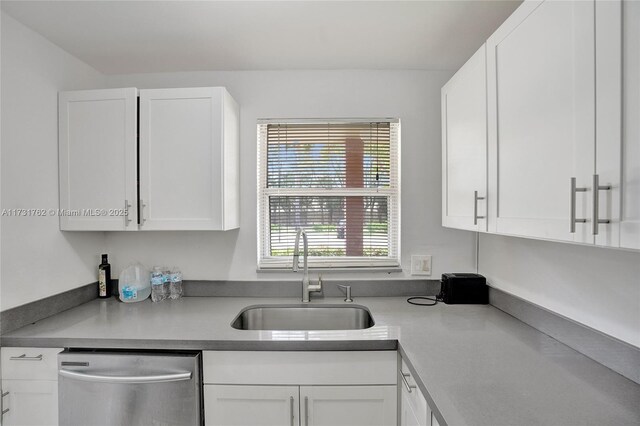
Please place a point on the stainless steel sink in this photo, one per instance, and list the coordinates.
(303, 317)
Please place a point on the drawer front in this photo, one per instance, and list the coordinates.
(300, 368)
(412, 395)
(30, 363)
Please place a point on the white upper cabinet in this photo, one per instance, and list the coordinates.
(464, 146)
(563, 141)
(187, 176)
(541, 110)
(630, 212)
(188, 159)
(97, 159)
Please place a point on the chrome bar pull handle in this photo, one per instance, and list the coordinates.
(573, 220)
(24, 357)
(3, 410)
(306, 411)
(159, 378)
(596, 203)
(475, 207)
(406, 382)
(127, 206)
(142, 206)
(291, 409)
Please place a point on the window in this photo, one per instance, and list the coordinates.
(338, 180)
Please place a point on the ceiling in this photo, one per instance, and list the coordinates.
(119, 37)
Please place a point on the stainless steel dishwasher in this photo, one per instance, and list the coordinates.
(129, 388)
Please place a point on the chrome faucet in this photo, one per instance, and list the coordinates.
(307, 287)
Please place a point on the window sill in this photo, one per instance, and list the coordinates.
(385, 269)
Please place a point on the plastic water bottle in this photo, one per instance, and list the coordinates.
(176, 284)
(166, 282)
(157, 284)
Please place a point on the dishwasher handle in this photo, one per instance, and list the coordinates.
(159, 378)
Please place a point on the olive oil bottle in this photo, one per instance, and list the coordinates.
(104, 279)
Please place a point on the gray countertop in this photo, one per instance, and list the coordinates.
(475, 364)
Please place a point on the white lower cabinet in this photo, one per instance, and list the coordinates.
(348, 405)
(242, 405)
(251, 405)
(30, 402)
(29, 386)
(414, 410)
(408, 415)
(300, 388)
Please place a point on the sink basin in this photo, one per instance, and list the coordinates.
(303, 317)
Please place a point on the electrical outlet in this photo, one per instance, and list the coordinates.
(421, 265)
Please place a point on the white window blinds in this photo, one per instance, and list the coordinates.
(339, 181)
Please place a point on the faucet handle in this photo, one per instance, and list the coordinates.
(348, 298)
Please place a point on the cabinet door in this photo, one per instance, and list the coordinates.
(408, 417)
(30, 402)
(464, 146)
(181, 159)
(97, 144)
(630, 214)
(231, 405)
(348, 405)
(541, 119)
(413, 405)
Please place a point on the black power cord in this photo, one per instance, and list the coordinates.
(435, 300)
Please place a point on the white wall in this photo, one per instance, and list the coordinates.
(413, 96)
(37, 259)
(593, 286)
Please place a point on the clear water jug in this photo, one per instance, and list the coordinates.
(134, 284)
